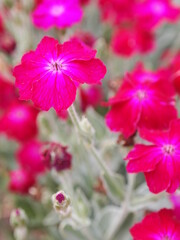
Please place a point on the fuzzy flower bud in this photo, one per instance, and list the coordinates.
(61, 203)
(18, 218)
(86, 127)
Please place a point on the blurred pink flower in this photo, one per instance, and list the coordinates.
(90, 97)
(116, 11)
(175, 199)
(57, 13)
(29, 157)
(7, 93)
(21, 181)
(7, 42)
(85, 37)
(152, 12)
(159, 161)
(19, 122)
(131, 40)
(50, 75)
(156, 226)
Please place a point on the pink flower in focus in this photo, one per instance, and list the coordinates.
(50, 75)
(7, 93)
(141, 102)
(29, 157)
(56, 156)
(151, 12)
(159, 161)
(19, 122)
(161, 225)
(128, 41)
(90, 97)
(21, 181)
(57, 13)
(175, 199)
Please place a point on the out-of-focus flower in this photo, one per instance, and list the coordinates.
(159, 225)
(84, 2)
(141, 102)
(116, 11)
(19, 122)
(57, 13)
(63, 114)
(29, 157)
(152, 12)
(61, 203)
(175, 199)
(7, 93)
(159, 161)
(59, 68)
(85, 37)
(90, 97)
(21, 181)
(56, 156)
(7, 42)
(127, 41)
(174, 72)
(18, 218)
(18, 221)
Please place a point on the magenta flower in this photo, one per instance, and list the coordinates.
(141, 102)
(57, 13)
(29, 157)
(152, 12)
(131, 40)
(116, 11)
(7, 93)
(50, 75)
(161, 225)
(175, 199)
(21, 181)
(90, 97)
(159, 161)
(19, 122)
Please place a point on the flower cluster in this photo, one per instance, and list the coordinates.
(138, 101)
(135, 21)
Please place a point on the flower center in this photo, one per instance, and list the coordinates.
(56, 10)
(141, 94)
(55, 66)
(158, 7)
(168, 149)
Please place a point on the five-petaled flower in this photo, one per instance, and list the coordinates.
(50, 75)
(159, 161)
(57, 13)
(141, 102)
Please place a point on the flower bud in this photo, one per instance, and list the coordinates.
(61, 203)
(86, 127)
(18, 218)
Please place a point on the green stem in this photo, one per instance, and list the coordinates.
(74, 117)
(125, 207)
